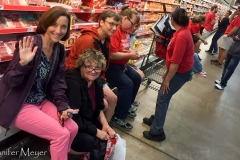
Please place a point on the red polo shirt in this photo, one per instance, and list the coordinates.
(209, 17)
(194, 28)
(120, 42)
(234, 23)
(181, 50)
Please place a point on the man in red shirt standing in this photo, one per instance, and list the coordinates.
(210, 21)
(226, 40)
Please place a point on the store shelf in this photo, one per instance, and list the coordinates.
(18, 30)
(5, 58)
(43, 8)
(148, 20)
(144, 33)
(84, 25)
(138, 1)
(33, 28)
(152, 10)
(160, 1)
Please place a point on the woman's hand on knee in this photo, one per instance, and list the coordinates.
(102, 135)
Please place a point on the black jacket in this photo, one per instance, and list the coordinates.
(222, 26)
(77, 93)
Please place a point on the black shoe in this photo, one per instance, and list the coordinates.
(199, 58)
(121, 124)
(131, 114)
(208, 51)
(148, 121)
(158, 138)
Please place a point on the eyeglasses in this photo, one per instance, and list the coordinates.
(90, 69)
(130, 21)
(112, 24)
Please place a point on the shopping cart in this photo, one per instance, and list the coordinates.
(153, 67)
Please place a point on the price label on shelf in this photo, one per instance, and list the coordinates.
(94, 25)
(1, 7)
(76, 27)
(30, 29)
(93, 11)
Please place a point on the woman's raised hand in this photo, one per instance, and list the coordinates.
(26, 50)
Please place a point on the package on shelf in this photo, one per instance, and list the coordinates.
(5, 51)
(73, 37)
(13, 2)
(11, 46)
(28, 20)
(12, 20)
(35, 2)
(2, 22)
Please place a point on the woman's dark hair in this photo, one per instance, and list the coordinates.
(180, 17)
(127, 11)
(50, 17)
(109, 14)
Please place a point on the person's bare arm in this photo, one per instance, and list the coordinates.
(198, 35)
(232, 31)
(121, 55)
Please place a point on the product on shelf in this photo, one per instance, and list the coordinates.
(28, 20)
(13, 2)
(11, 46)
(35, 2)
(13, 20)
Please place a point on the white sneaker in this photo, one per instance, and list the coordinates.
(218, 86)
(217, 81)
(204, 72)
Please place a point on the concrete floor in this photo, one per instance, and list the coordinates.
(201, 124)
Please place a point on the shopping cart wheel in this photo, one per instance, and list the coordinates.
(149, 81)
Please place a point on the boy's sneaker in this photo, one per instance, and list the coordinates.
(201, 74)
(121, 124)
(135, 103)
(217, 81)
(218, 86)
(132, 114)
(132, 109)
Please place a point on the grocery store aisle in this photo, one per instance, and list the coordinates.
(201, 124)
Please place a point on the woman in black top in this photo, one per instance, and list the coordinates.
(222, 26)
(86, 94)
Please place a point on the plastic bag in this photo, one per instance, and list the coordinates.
(119, 151)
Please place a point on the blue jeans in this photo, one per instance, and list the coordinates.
(230, 65)
(163, 101)
(197, 66)
(214, 46)
(128, 81)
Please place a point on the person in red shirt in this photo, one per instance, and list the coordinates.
(119, 73)
(194, 27)
(179, 62)
(210, 21)
(226, 40)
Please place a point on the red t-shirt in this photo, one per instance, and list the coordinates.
(194, 28)
(209, 17)
(181, 50)
(234, 23)
(120, 42)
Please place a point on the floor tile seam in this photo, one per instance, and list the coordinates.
(150, 145)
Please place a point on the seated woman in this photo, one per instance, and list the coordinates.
(86, 94)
